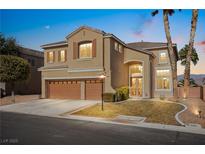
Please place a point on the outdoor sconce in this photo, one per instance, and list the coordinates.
(199, 113)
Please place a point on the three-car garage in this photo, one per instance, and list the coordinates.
(74, 89)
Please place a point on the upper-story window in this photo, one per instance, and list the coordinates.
(116, 46)
(163, 79)
(135, 70)
(163, 58)
(120, 48)
(85, 50)
(62, 56)
(50, 57)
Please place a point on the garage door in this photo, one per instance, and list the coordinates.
(93, 90)
(64, 89)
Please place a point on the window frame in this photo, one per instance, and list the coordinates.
(48, 60)
(159, 56)
(60, 60)
(116, 46)
(120, 45)
(91, 52)
(169, 77)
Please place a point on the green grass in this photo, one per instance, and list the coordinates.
(157, 112)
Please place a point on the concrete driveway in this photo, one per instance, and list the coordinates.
(47, 107)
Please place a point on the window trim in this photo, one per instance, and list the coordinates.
(49, 61)
(62, 61)
(116, 48)
(170, 79)
(163, 51)
(121, 48)
(84, 42)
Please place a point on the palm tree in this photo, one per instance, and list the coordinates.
(191, 82)
(183, 53)
(172, 56)
(189, 54)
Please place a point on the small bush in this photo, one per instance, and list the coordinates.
(109, 97)
(162, 97)
(122, 93)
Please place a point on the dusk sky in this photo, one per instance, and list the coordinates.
(32, 28)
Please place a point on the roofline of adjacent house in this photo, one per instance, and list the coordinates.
(53, 45)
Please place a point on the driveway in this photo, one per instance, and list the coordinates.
(47, 107)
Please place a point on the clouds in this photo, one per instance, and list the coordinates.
(144, 22)
(201, 43)
(47, 27)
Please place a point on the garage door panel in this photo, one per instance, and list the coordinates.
(64, 90)
(93, 91)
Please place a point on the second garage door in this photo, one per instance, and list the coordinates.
(64, 89)
(93, 90)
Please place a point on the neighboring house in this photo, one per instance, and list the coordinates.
(33, 84)
(72, 67)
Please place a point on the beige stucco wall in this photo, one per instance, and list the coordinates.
(88, 68)
(157, 65)
(131, 56)
(119, 70)
(86, 35)
(55, 50)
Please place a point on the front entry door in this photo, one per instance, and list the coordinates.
(136, 87)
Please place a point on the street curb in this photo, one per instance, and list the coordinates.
(193, 130)
(141, 125)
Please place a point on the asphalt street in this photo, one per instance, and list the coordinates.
(28, 129)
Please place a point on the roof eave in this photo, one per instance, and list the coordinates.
(53, 45)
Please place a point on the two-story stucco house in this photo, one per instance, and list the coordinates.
(72, 67)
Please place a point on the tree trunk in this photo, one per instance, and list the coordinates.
(188, 56)
(12, 93)
(171, 53)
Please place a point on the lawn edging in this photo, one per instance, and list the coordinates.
(140, 125)
(177, 115)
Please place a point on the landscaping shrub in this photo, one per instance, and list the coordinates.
(122, 93)
(162, 97)
(109, 97)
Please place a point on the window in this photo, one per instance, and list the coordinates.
(85, 50)
(50, 57)
(163, 57)
(136, 70)
(116, 46)
(62, 56)
(120, 48)
(163, 79)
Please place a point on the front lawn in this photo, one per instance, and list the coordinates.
(157, 112)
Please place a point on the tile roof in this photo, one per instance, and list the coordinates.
(59, 43)
(31, 52)
(148, 45)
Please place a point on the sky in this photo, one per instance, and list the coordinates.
(33, 28)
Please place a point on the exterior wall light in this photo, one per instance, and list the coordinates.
(199, 113)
